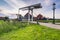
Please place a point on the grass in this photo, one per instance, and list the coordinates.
(32, 32)
(6, 26)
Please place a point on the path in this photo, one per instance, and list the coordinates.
(50, 25)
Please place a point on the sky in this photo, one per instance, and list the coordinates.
(10, 7)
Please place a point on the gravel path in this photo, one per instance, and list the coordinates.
(56, 26)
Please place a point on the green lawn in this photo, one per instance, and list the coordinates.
(30, 32)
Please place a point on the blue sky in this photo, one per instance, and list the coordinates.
(5, 4)
(11, 7)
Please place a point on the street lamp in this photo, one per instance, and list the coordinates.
(54, 13)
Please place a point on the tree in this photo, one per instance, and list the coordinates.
(6, 18)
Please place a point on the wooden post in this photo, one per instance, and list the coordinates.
(28, 16)
(32, 14)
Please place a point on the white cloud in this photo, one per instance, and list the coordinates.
(48, 2)
(18, 4)
(57, 13)
(15, 4)
(4, 10)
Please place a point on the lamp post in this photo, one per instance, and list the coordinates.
(54, 13)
